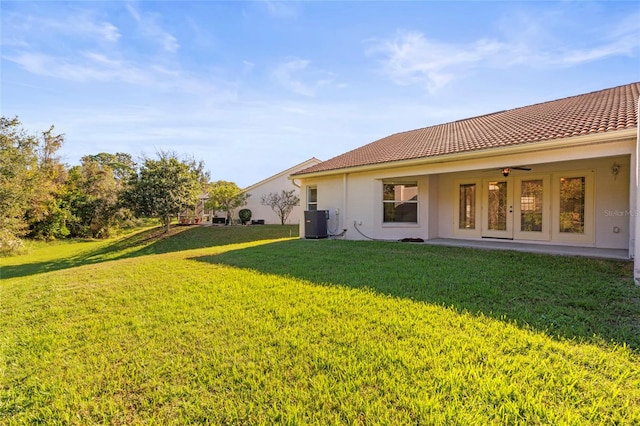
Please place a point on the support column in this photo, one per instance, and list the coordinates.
(635, 206)
(345, 200)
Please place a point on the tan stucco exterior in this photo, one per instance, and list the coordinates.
(277, 184)
(353, 196)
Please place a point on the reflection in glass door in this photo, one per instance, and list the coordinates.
(572, 202)
(531, 204)
(498, 214)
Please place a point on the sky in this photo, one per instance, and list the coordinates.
(252, 88)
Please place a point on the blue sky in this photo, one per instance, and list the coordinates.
(253, 88)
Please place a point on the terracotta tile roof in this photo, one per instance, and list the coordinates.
(596, 112)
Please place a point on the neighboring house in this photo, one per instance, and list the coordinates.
(200, 215)
(276, 183)
(563, 172)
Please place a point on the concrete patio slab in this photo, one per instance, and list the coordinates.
(493, 244)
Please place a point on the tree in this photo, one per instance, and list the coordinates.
(281, 203)
(164, 187)
(226, 196)
(121, 163)
(18, 159)
(45, 215)
(92, 194)
(31, 178)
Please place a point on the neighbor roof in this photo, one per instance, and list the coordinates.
(305, 164)
(596, 112)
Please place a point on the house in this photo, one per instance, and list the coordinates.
(563, 172)
(276, 183)
(200, 215)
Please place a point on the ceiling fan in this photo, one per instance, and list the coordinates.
(506, 170)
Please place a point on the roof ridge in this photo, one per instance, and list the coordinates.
(576, 115)
(512, 109)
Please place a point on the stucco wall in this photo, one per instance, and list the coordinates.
(360, 210)
(357, 197)
(276, 184)
(611, 197)
(258, 211)
(329, 198)
(612, 203)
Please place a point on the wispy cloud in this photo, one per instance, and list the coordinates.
(624, 40)
(87, 67)
(81, 25)
(287, 75)
(98, 67)
(280, 9)
(150, 28)
(88, 49)
(411, 58)
(298, 76)
(247, 67)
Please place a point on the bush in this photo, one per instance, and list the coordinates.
(245, 216)
(9, 243)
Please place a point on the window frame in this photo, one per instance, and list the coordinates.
(476, 231)
(313, 203)
(545, 233)
(403, 182)
(588, 236)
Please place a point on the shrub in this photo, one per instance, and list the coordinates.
(9, 243)
(245, 216)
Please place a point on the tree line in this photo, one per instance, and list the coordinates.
(42, 198)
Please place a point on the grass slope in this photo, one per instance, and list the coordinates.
(239, 326)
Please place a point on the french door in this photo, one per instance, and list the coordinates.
(516, 207)
(497, 214)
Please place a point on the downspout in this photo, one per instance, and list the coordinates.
(300, 219)
(635, 208)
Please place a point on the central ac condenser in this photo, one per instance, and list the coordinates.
(315, 223)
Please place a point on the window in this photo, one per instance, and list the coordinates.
(312, 198)
(572, 205)
(400, 202)
(531, 201)
(497, 206)
(467, 208)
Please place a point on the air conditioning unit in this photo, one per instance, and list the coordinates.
(315, 223)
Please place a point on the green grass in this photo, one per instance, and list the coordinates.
(242, 325)
(66, 254)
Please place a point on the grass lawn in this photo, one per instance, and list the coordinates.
(250, 325)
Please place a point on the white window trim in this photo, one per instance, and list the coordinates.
(589, 207)
(545, 234)
(461, 232)
(309, 203)
(415, 224)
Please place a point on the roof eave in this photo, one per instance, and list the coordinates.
(571, 142)
(308, 163)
